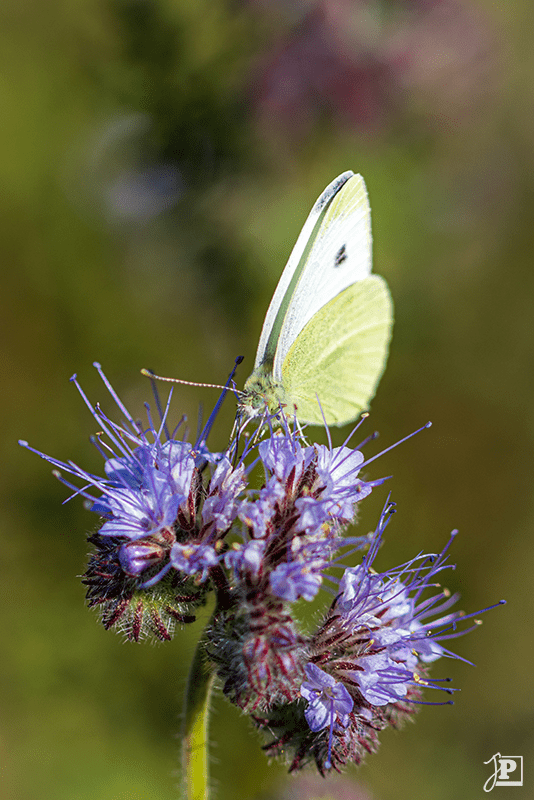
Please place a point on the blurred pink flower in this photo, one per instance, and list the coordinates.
(355, 63)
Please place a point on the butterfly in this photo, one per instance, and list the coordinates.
(325, 338)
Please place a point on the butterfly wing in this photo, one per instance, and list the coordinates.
(338, 253)
(334, 365)
(279, 329)
(327, 329)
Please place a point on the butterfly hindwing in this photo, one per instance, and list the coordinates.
(337, 360)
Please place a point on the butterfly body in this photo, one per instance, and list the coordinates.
(262, 393)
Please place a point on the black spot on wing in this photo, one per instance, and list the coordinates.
(341, 256)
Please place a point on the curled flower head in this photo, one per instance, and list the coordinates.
(153, 531)
(368, 660)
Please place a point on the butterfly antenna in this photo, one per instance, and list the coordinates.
(149, 374)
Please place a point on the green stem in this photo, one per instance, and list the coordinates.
(195, 726)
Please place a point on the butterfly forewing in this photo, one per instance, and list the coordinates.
(274, 319)
(338, 254)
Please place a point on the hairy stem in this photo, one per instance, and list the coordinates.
(195, 726)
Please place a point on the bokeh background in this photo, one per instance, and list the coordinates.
(157, 159)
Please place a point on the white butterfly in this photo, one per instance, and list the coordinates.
(324, 342)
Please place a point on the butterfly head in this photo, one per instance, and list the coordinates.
(261, 396)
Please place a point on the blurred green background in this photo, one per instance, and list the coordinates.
(157, 160)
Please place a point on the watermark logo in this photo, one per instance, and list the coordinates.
(507, 771)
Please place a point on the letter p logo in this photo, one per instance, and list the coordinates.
(508, 771)
(506, 766)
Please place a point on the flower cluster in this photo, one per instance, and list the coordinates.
(366, 664)
(179, 522)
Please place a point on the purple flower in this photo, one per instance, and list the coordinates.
(283, 456)
(259, 513)
(384, 622)
(293, 580)
(147, 481)
(149, 498)
(366, 665)
(179, 522)
(191, 559)
(145, 489)
(247, 558)
(310, 491)
(327, 699)
(338, 469)
(386, 612)
(141, 554)
(220, 506)
(336, 489)
(328, 703)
